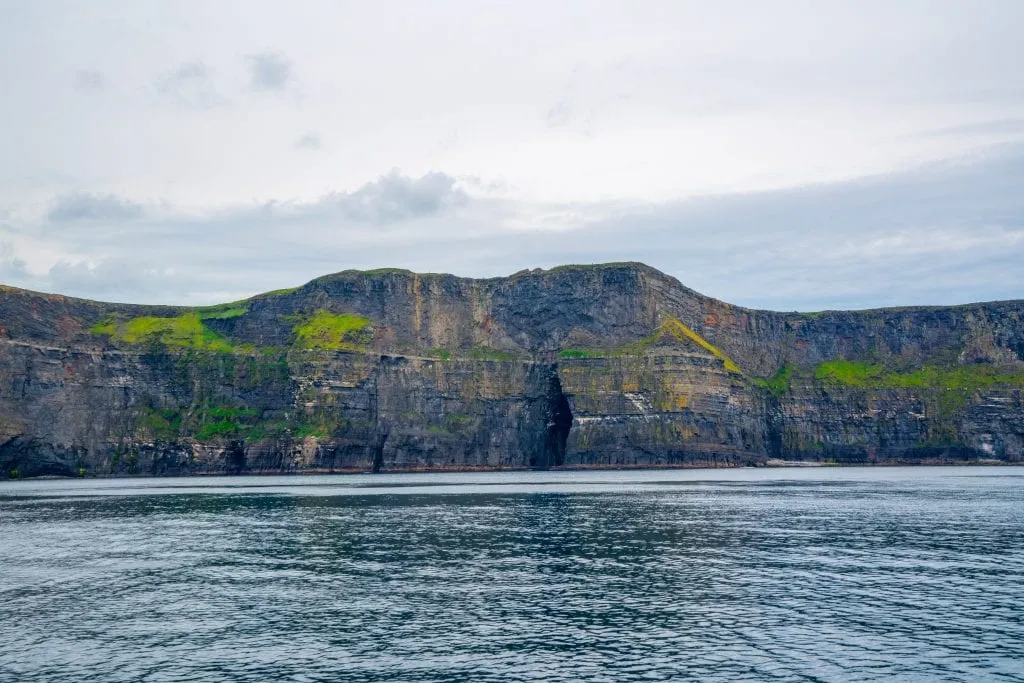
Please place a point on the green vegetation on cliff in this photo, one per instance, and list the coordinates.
(948, 389)
(213, 423)
(677, 329)
(965, 378)
(673, 328)
(333, 331)
(570, 354)
(183, 331)
(163, 424)
(389, 370)
(777, 384)
(223, 311)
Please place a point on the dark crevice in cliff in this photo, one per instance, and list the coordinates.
(235, 457)
(559, 424)
(378, 451)
(774, 426)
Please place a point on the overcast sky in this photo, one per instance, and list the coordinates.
(788, 155)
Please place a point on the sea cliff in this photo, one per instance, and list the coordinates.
(610, 365)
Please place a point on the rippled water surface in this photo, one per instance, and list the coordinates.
(731, 575)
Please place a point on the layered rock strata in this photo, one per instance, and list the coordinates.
(580, 366)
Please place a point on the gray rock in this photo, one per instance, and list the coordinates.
(581, 366)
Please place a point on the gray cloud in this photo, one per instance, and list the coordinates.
(396, 197)
(119, 279)
(87, 80)
(946, 233)
(190, 84)
(12, 268)
(268, 71)
(93, 207)
(943, 234)
(391, 199)
(309, 140)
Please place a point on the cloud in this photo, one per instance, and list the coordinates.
(268, 71)
(392, 199)
(396, 197)
(12, 268)
(87, 80)
(93, 207)
(309, 141)
(940, 234)
(190, 84)
(944, 233)
(119, 279)
(993, 127)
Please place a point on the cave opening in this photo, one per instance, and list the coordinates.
(559, 425)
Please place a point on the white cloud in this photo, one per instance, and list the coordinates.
(951, 233)
(740, 145)
(190, 84)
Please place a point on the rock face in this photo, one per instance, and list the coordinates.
(610, 365)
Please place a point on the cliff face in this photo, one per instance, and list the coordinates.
(612, 365)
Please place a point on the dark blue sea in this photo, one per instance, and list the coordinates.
(811, 574)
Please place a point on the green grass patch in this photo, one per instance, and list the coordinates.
(217, 430)
(164, 424)
(220, 413)
(223, 312)
(875, 376)
(207, 422)
(777, 384)
(183, 331)
(186, 331)
(315, 430)
(442, 354)
(215, 422)
(951, 387)
(333, 331)
(106, 326)
(567, 354)
(855, 374)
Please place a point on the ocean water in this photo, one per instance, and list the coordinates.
(815, 574)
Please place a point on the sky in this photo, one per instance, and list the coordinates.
(793, 155)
